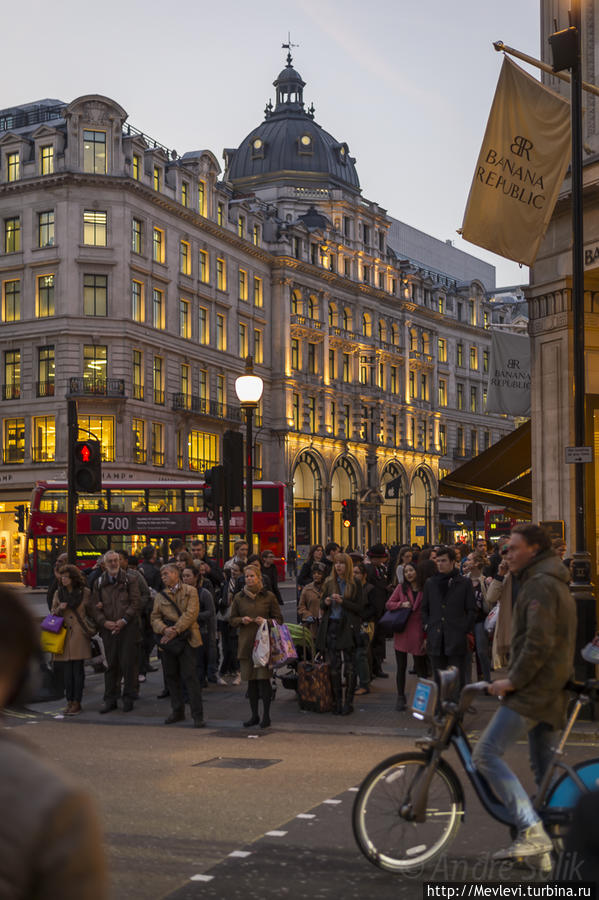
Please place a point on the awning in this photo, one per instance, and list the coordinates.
(500, 476)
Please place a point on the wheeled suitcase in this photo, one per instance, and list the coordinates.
(314, 689)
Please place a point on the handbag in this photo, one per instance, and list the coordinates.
(261, 651)
(98, 656)
(282, 648)
(52, 624)
(176, 645)
(53, 642)
(394, 621)
(89, 627)
(491, 620)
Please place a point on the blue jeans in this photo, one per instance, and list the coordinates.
(504, 729)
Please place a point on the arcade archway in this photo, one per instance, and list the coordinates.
(307, 502)
(421, 507)
(395, 507)
(344, 486)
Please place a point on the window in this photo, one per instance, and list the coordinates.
(442, 392)
(243, 340)
(332, 315)
(382, 330)
(394, 380)
(347, 420)
(472, 312)
(484, 399)
(157, 444)
(460, 311)
(11, 300)
(204, 266)
(45, 228)
(137, 166)
(47, 160)
(220, 213)
(424, 387)
(202, 449)
(258, 301)
(184, 258)
(366, 274)
(94, 152)
(413, 340)
(395, 334)
(185, 384)
(102, 428)
(485, 360)
(157, 178)
(332, 366)
(443, 440)
(256, 235)
(221, 394)
(346, 368)
(241, 226)
(333, 416)
(158, 309)
(442, 345)
(221, 332)
(347, 267)
(43, 439)
(184, 319)
(13, 167)
(412, 383)
(138, 375)
(473, 442)
(346, 319)
(460, 355)
(158, 380)
(243, 284)
(312, 414)
(202, 198)
(44, 296)
(412, 426)
(382, 375)
(203, 386)
(486, 440)
(486, 322)
(138, 429)
(94, 367)
(137, 301)
(12, 235)
(136, 235)
(203, 326)
(295, 354)
(460, 440)
(45, 372)
(221, 274)
(312, 307)
(158, 254)
(297, 305)
(382, 281)
(460, 396)
(258, 346)
(11, 389)
(94, 227)
(95, 295)
(441, 306)
(312, 358)
(295, 411)
(473, 358)
(14, 440)
(473, 399)
(184, 193)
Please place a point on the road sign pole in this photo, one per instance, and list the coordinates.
(72, 432)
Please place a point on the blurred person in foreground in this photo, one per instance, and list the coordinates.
(50, 837)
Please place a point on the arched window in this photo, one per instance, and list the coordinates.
(347, 319)
(297, 305)
(312, 307)
(367, 324)
(413, 339)
(395, 334)
(332, 314)
(382, 330)
(426, 342)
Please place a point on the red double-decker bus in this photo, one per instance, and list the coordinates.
(130, 515)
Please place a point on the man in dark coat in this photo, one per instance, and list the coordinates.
(448, 614)
(535, 699)
(376, 576)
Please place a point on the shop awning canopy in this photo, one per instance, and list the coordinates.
(500, 476)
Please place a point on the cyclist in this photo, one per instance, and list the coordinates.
(534, 699)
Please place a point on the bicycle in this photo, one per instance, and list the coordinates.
(409, 808)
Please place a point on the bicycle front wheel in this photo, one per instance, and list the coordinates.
(381, 824)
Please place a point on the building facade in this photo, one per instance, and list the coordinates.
(138, 282)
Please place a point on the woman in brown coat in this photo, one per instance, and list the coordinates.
(251, 606)
(71, 601)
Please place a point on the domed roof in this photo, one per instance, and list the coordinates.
(290, 145)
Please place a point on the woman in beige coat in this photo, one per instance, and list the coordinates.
(71, 601)
(500, 591)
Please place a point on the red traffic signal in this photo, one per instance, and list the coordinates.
(87, 467)
(84, 453)
(348, 512)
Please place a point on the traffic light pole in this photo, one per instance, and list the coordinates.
(73, 433)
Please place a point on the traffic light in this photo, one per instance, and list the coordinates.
(20, 517)
(233, 463)
(349, 512)
(87, 467)
(214, 487)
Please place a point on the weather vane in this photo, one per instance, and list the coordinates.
(288, 47)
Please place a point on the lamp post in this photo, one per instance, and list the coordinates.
(249, 389)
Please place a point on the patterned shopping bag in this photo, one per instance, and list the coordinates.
(282, 648)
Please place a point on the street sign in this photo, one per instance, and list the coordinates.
(579, 455)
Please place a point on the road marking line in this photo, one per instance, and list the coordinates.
(305, 816)
(241, 853)
(275, 833)
(355, 790)
(201, 878)
(332, 802)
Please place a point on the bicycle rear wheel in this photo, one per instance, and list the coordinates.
(385, 836)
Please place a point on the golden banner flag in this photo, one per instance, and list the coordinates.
(521, 167)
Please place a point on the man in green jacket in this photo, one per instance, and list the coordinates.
(534, 696)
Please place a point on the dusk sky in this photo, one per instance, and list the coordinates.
(408, 85)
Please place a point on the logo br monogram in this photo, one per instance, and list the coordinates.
(513, 364)
(521, 146)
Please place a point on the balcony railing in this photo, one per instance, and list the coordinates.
(314, 324)
(97, 387)
(203, 407)
(159, 397)
(44, 388)
(461, 453)
(11, 391)
(138, 391)
(140, 456)
(157, 457)
(14, 455)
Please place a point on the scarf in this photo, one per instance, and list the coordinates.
(71, 598)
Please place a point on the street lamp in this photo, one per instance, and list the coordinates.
(249, 389)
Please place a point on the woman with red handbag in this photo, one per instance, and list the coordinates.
(412, 638)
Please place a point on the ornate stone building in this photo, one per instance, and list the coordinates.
(138, 280)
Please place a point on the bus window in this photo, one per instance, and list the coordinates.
(269, 500)
(46, 552)
(164, 500)
(194, 500)
(53, 501)
(91, 502)
(127, 501)
(133, 544)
